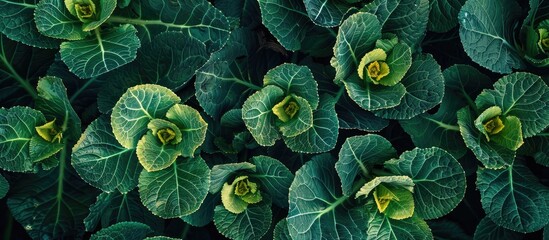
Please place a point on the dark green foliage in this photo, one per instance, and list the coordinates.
(274, 119)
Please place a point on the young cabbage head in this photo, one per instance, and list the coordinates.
(286, 109)
(239, 194)
(50, 132)
(84, 10)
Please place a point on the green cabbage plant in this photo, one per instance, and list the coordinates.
(274, 119)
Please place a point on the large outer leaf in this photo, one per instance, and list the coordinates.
(486, 32)
(198, 19)
(301, 122)
(316, 210)
(462, 83)
(17, 127)
(491, 155)
(111, 208)
(193, 127)
(538, 148)
(488, 230)
(4, 187)
(443, 14)
(54, 103)
(523, 95)
(103, 52)
(204, 215)
(328, 13)
(253, 223)
(18, 24)
(136, 108)
(358, 154)
(403, 182)
(56, 204)
(538, 11)
(153, 155)
(382, 227)
(258, 117)
(281, 232)
(116, 84)
(294, 79)
(405, 18)
(226, 80)
(286, 20)
(273, 177)
(102, 162)
(513, 198)
(54, 20)
(439, 180)
(123, 231)
(222, 172)
(176, 191)
(373, 97)
(351, 116)
(322, 136)
(424, 85)
(172, 59)
(245, 13)
(356, 37)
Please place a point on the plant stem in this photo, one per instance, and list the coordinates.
(185, 231)
(444, 125)
(60, 179)
(339, 93)
(24, 84)
(8, 228)
(80, 90)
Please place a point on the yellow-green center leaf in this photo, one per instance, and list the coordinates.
(165, 135)
(90, 13)
(239, 194)
(242, 188)
(378, 70)
(383, 196)
(510, 136)
(85, 11)
(395, 202)
(543, 42)
(50, 132)
(286, 109)
(364, 66)
(165, 131)
(483, 122)
(494, 125)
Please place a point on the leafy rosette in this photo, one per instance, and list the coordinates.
(25, 143)
(150, 119)
(96, 37)
(537, 45)
(517, 108)
(462, 83)
(150, 142)
(288, 106)
(503, 31)
(29, 138)
(502, 120)
(247, 190)
(89, 49)
(535, 34)
(393, 195)
(379, 74)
